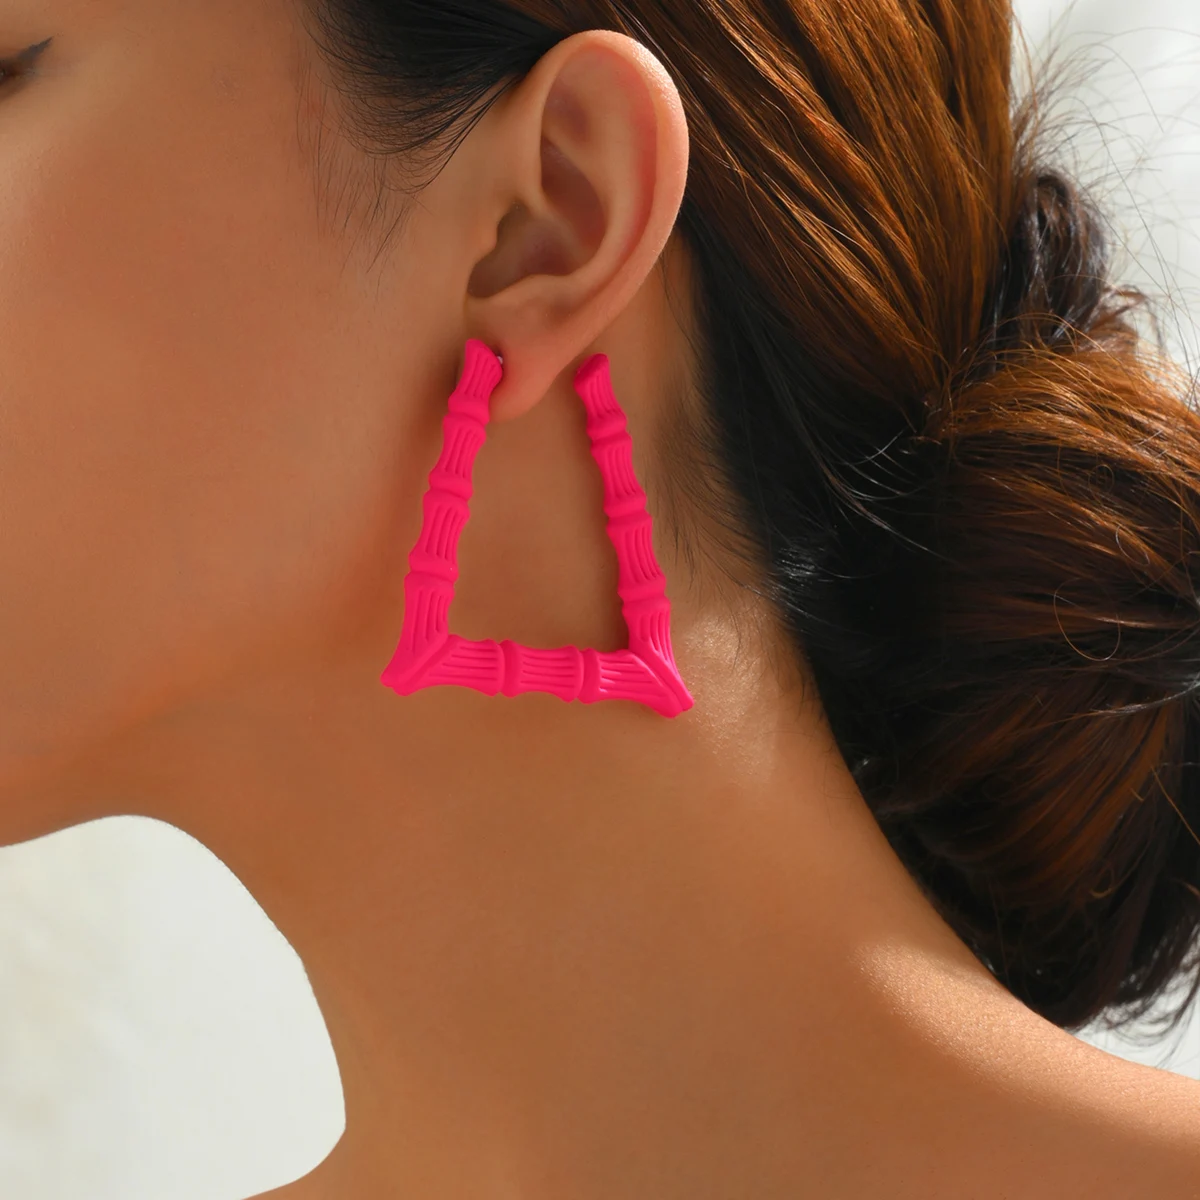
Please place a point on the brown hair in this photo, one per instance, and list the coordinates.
(970, 490)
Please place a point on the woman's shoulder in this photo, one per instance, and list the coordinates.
(941, 1086)
(971, 1093)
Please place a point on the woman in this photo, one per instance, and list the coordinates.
(922, 505)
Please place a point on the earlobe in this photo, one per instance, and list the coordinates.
(592, 154)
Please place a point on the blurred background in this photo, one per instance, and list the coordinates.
(158, 1036)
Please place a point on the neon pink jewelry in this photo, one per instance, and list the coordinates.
(429, 655)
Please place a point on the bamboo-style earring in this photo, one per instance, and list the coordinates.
(429, 655)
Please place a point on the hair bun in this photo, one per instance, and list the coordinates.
(1041, 781)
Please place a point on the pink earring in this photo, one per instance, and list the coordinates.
(429, 655)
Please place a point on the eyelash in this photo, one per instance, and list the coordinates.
(15, 67)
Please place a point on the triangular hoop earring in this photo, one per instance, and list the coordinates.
(429, 655)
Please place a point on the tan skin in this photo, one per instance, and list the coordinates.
(562, 950)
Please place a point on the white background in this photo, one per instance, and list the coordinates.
(158, 1037)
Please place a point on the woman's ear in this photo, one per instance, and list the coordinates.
(585, 165)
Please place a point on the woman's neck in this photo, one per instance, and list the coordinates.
(589, 952)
